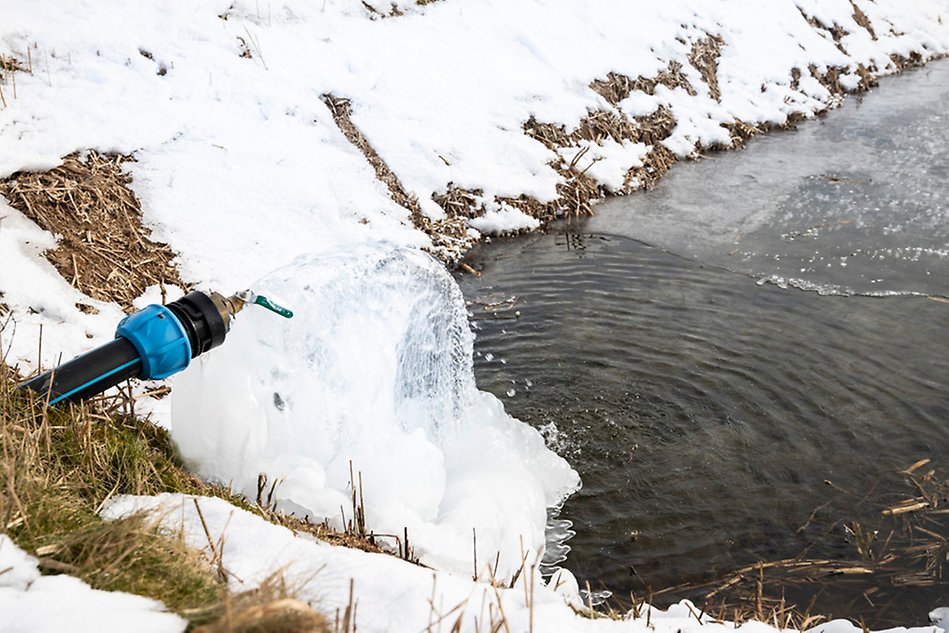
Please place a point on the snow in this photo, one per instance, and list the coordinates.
(31, 602)
(393, 595)
(242, 170)
(240, 166)
(504, 219)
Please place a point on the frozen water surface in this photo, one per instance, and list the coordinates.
(854, 203)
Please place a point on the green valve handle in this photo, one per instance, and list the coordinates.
(245, 297)
(273, 307)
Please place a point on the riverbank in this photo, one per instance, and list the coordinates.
(236, 136)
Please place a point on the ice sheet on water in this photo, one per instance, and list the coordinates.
(940, 617)
(375, 368)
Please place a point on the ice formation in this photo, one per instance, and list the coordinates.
(374, 369)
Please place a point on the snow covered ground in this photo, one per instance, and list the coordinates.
(392, 595)
(241, 168)
(32, 602)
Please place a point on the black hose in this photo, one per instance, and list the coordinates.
(151, 344)
(89, 374)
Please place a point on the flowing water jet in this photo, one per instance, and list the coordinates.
(375, 370)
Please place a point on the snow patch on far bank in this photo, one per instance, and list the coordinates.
(503, 220)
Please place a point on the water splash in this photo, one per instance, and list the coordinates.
(376, 369)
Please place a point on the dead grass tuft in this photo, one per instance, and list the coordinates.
(861, 18)
(657, 162)
(830, 79)
(103, 250)
(460, 202)
(741, 131)
(450, 239)
(579, 190)
(902, 63)
(617, 87)
(59, 466)
(270, 608)
(704, 57)
(8, 66)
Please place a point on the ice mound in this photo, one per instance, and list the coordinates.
(374, 368)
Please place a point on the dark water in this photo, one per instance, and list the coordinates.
(706, 411)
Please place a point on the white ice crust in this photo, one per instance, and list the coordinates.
(374, 370)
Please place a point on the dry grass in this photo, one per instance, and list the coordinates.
(450, 239)
(704, 57)
(907, 547)
(8, 66)
(861, 18)
(271, 608)
(614, 125)
(912, 61)
(617, 87)
(460, 202)
(104, 250)
(59, 465)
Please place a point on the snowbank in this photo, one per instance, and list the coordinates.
(393, 595)
(31, 602)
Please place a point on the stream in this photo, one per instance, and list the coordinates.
(739, 362)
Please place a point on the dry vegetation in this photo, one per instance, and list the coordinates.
(104, 250)
(59, 466)
(704, 56)
(907, 545)
(9, 67)
(578, 192)
(449, 235)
